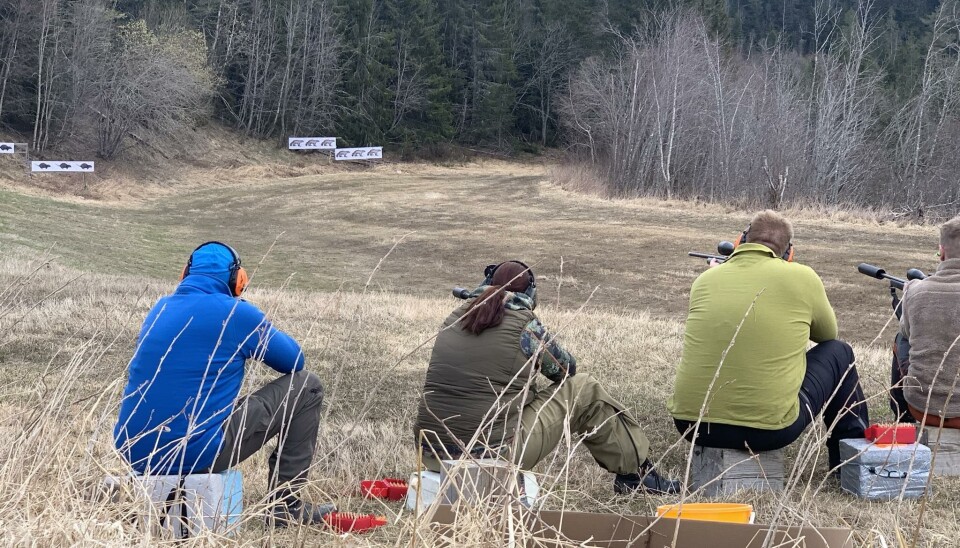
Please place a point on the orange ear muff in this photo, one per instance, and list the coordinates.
(788, 254)
(241, 283)
(742, 239)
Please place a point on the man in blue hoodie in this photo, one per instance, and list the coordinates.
(180, 413)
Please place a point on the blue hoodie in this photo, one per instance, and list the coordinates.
(188, 367)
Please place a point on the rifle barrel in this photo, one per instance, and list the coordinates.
(881, 274)
(708, 256)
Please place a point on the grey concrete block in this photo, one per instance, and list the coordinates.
(945, 444)
(726, 471)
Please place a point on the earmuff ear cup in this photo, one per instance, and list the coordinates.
(741, 240)
(488, 273)
(531, 289)
(788, 254)
(239, 280)
(532, 293)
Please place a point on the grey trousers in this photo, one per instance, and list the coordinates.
(287, 408)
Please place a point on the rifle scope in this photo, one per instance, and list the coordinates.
(724, 248)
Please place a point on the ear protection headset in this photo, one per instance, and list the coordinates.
(787, 254)
(238, 276)
(531, 290)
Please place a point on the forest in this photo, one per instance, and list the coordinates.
(768, 102)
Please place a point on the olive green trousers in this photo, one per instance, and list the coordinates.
(577, 407)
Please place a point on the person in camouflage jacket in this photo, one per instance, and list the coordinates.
(480, 398)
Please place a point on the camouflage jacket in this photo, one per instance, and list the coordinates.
(551, 360)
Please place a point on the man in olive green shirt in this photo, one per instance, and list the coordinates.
(745, 362)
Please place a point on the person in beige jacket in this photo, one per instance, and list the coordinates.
(926, 372)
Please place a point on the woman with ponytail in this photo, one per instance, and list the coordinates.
(488, 308)
(480, 397)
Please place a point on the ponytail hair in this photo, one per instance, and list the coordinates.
(487, 310)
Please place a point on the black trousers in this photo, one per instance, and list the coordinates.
(831, 387)
(898, 370)
(287, 409)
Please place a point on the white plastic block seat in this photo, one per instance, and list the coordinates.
(185, 506)
(472, 481)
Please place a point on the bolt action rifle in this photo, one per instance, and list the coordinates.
(725, 249)
(895, 283)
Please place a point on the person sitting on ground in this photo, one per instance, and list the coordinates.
(926, 361)
(745, 371)
(180, 414)
(478, 397)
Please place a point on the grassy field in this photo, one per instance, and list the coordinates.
(358, 266)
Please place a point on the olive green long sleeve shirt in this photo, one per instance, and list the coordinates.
(781, 306)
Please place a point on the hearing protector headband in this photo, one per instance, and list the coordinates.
(787, 254)
(238, 276)
(531, 289)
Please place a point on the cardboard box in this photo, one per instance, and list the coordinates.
(551, 528)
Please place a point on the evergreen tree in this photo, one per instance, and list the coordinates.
(495, 75)
(364, 99)
(421, 81)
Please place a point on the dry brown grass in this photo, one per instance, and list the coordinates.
(64, 342)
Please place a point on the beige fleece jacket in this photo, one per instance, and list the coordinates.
(931, 322)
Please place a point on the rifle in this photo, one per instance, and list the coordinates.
(725, 249)
(895, 283)
(461, 293)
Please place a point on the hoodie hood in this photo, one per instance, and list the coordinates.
(211, 262)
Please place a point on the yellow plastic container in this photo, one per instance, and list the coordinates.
(709, 511)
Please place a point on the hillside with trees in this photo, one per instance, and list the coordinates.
(755, 101)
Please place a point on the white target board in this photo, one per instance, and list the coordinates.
(50, 166)
(312, 143)
(360, 153)
(7, 148)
